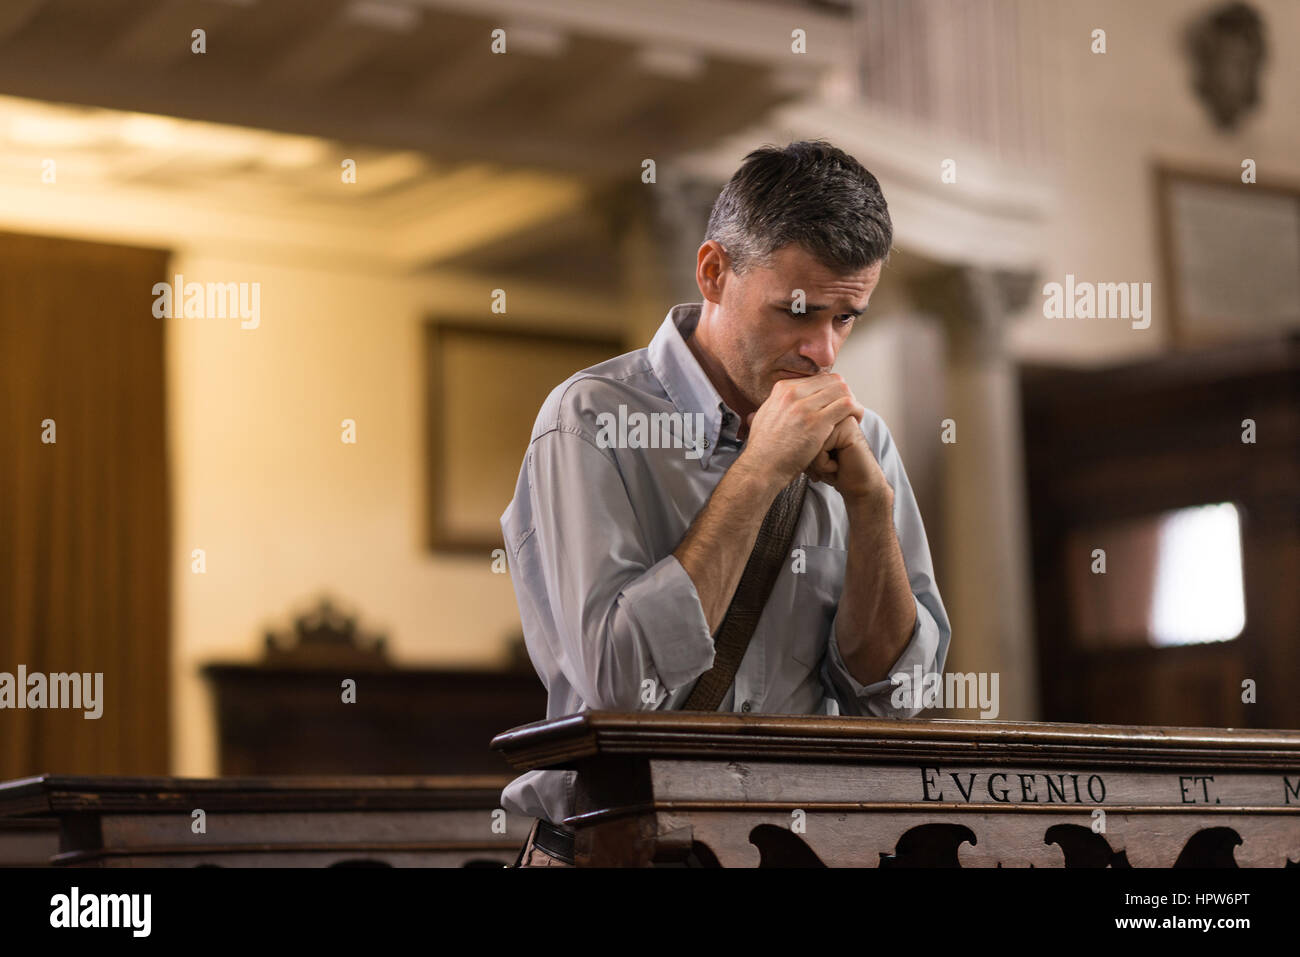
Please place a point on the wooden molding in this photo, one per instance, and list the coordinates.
(562, 742)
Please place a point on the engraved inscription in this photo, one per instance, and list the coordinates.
(1004, 787)
(1187, 784)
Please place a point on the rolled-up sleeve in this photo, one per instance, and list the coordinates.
(622, 618)
(928, 646)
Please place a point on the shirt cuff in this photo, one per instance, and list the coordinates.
(666, 610)
(874, 699)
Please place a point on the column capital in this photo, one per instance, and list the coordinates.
(974, 302)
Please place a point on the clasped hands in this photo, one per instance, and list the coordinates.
(813, 424)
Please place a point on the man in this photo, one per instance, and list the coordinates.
(625, 554)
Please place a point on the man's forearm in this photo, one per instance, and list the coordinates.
(717, 545)
(877, 612)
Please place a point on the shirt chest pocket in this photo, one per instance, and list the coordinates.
(818, 576)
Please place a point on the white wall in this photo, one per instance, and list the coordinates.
(1120, 112)
(283, 508)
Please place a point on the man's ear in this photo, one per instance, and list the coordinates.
(712, 264)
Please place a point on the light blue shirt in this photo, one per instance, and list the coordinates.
(611, 619)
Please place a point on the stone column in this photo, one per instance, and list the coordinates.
(680, 215)
(657, 229)
(986, 588)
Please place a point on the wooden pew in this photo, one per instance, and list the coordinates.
(108, 821)
(669, 788)
(28, 841)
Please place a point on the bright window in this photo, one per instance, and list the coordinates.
(1198, 587)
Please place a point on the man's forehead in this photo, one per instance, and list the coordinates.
(793, 268)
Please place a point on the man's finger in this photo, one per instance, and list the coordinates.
(842, 432)
(824, 463)
(806, 386)
(843, 408)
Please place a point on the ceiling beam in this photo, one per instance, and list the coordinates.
(337, 47)
(16, 14)
(514, 202)
(627, 86)
(473, 75)
(242, 100)
(164, 34)
(730, 28)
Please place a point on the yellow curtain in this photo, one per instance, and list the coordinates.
(84, 536)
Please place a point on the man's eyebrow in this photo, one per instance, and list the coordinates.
(818, 307)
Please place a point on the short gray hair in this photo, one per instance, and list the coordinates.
(809, 193)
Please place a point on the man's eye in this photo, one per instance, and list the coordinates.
(843, 320)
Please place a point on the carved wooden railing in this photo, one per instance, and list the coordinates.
(689, 788)
(290, 821)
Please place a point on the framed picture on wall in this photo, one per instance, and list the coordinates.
(1231, 256)
(485, 386)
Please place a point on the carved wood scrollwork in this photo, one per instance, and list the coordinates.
(994, 841)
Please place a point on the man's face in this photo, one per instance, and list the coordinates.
(760, 339)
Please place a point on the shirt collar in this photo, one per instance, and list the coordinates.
(685, 381)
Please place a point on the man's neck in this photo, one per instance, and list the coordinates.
(698, 343)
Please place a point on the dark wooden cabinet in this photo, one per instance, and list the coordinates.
(292, 712)
(292, 720)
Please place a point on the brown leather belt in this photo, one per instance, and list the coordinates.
(555, 841)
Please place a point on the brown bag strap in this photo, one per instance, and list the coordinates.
(756, 581)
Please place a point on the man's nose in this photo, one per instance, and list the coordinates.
(819, 347)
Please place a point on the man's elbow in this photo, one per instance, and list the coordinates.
(606, 696)
(616, 684)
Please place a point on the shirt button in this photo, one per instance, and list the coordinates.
(706, 443)
(746, 707)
